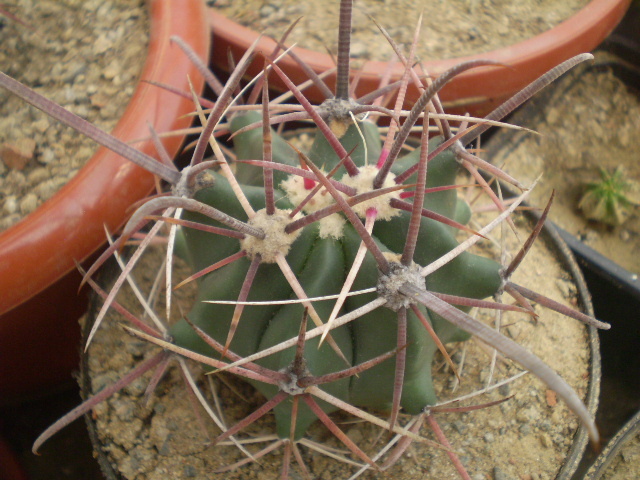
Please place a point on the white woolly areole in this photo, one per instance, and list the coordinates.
(363, 183)
(276, 240)
(330, 226)
(399, 275)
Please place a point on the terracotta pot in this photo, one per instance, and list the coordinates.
(43, 248)
(477, 91)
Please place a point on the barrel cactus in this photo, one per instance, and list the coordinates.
(321, 255)
(356, 233)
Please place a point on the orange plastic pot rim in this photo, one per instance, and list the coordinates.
(39, 250)
(527, 59)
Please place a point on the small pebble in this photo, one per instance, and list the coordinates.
(526, 415)
(37, 176)
(551, 398)
(267, 10)
(28, 203)
(545, 440)
(41, 125)
(99, 100)
(10, 204)
(47, 188)
(16, 154)
(190, 471)
(505, 390)
(111, 70)
(525, 430)
(355, 435)
(359, 49)
(460, 427)
(101, 45)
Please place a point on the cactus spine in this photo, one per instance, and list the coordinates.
(381, 223)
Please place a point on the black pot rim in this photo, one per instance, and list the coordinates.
(604, 460)
(568, 261)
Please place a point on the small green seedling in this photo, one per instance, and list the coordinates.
(612, 199)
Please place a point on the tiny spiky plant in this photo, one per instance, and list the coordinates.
(354, 220)
(611, 199)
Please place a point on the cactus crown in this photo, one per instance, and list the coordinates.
(267, 229)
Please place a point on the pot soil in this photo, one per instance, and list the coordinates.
(587, 121)
(477, 91)
(530, 433)
(85, 55)
(450, 29)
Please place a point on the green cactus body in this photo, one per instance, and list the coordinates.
(321, 262)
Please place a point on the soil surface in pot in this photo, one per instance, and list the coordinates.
(86, 55)
(527, 435)
(627, 462)
(587, 121)
(450, 28)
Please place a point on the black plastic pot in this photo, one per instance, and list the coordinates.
(624, 45)
(565, 256)
(561, 253)
(627, 437)
(602, 268)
